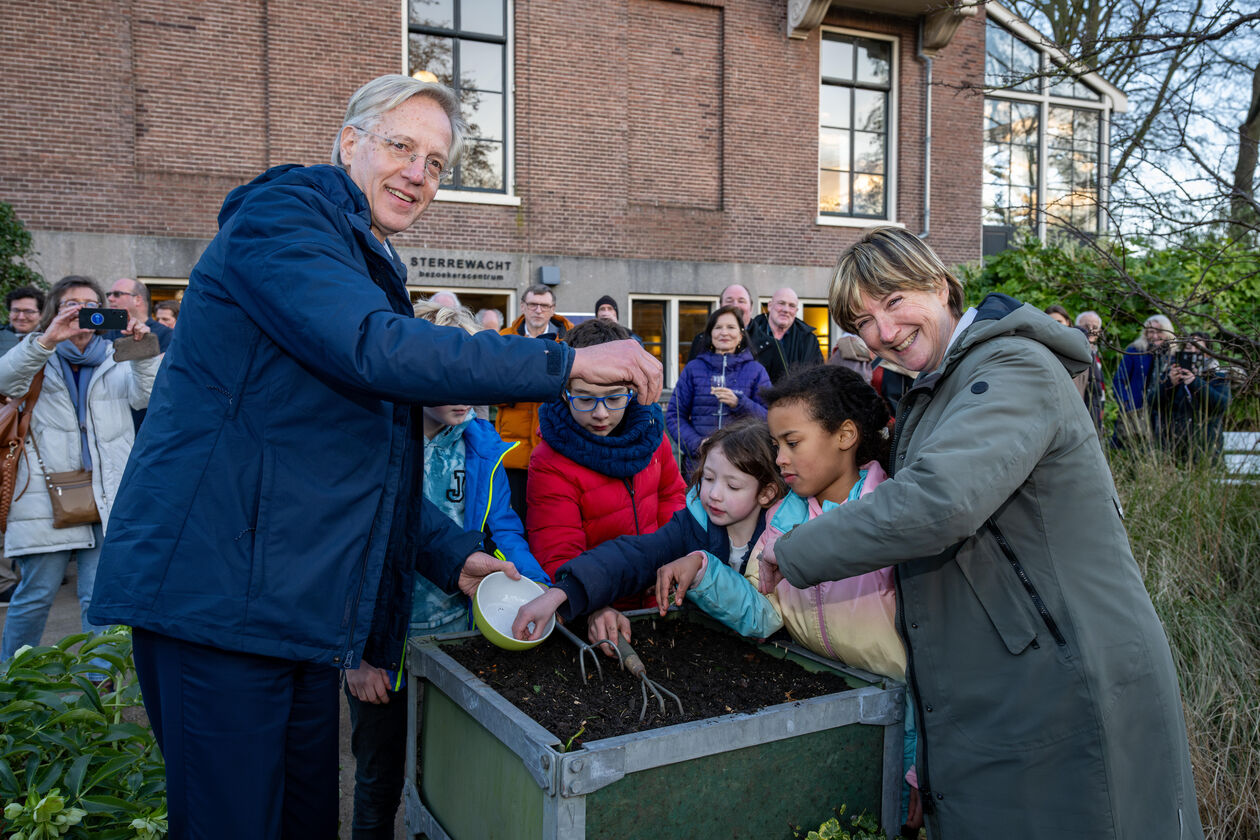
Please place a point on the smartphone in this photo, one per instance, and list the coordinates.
(103, 319)
(1185, 359)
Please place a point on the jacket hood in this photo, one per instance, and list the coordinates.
(1000, 315)
(332, 181)
(623, 454)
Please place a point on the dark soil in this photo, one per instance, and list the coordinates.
(713, 673)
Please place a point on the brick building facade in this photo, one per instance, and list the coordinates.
(650, 149)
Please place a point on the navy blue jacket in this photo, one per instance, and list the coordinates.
(694, 413)
(627, 565)
(272, 501)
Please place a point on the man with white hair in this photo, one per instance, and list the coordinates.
(445, 298)
(266, 534)
(780, 340)
(490, 319)
(1090, 323)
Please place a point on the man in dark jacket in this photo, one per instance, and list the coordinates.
(780, 340)
(268, 525)
(133, 296)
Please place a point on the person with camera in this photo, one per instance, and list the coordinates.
(1188, 394)
(80, 433)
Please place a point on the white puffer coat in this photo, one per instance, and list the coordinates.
(115, 389)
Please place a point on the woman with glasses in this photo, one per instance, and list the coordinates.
(603, 469)
(718, 386)
(81, 420)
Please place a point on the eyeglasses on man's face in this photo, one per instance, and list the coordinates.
(19, 312)
(612, 402)
(539, 306)
(114, 293)
(403, 152)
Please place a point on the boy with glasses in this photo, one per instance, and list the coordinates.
(603, 468)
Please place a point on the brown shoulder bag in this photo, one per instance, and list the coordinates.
(15, 424)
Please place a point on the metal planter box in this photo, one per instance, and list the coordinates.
(486, 771)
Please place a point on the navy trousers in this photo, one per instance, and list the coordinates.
(250, 742)
(378, 739)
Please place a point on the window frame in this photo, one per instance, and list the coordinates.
(1051, 64)
(674, 343)
(892, 147)
(507, 196)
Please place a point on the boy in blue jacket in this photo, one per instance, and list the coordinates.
(465, 487)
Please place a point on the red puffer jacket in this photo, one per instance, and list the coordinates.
(571, 507)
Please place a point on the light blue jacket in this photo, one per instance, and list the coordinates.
(487, 509)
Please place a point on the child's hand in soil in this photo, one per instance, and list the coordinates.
(368, 684)
(537, 612)
(679, 576)
(605, 625)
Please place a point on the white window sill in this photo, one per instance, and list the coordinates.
(463, 197)
(844, 221)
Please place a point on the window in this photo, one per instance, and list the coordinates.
(1044, 140)
(463, 44)
(854, 126)
(667, 326)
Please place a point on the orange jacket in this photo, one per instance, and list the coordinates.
(518, 422)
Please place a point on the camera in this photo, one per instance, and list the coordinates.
(102, 319)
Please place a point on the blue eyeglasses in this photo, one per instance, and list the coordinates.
(612, 402)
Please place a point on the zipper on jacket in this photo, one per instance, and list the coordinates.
(925, 785)
(354, 608)
(1028, 585)
(899, 426)
(633, 507)
(490, 498)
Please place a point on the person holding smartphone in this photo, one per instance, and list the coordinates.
(80, 420)
(1188, 395)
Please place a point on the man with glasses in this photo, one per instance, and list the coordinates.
(270, 523)
(25, 304)
(1090, 323)
(133, 296)
(517, 422)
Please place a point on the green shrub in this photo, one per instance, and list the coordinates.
(844, 827)
(75, 761)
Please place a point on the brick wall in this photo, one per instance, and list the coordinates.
(644, 128)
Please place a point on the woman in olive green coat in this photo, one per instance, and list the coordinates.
(1046, 695)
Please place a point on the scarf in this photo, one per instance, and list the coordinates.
(88, 360)
(623, 454)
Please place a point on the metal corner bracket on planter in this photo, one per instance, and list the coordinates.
(485, 770)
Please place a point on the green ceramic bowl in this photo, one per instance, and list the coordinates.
(498, 600)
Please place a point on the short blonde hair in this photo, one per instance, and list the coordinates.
(887, 259)
(447, 316)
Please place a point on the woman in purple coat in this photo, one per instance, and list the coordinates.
(717, 386)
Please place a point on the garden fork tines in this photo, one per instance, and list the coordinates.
(584, 649)
(632, 663)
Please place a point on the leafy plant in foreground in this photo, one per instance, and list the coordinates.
(844, 827)
(74, 760)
